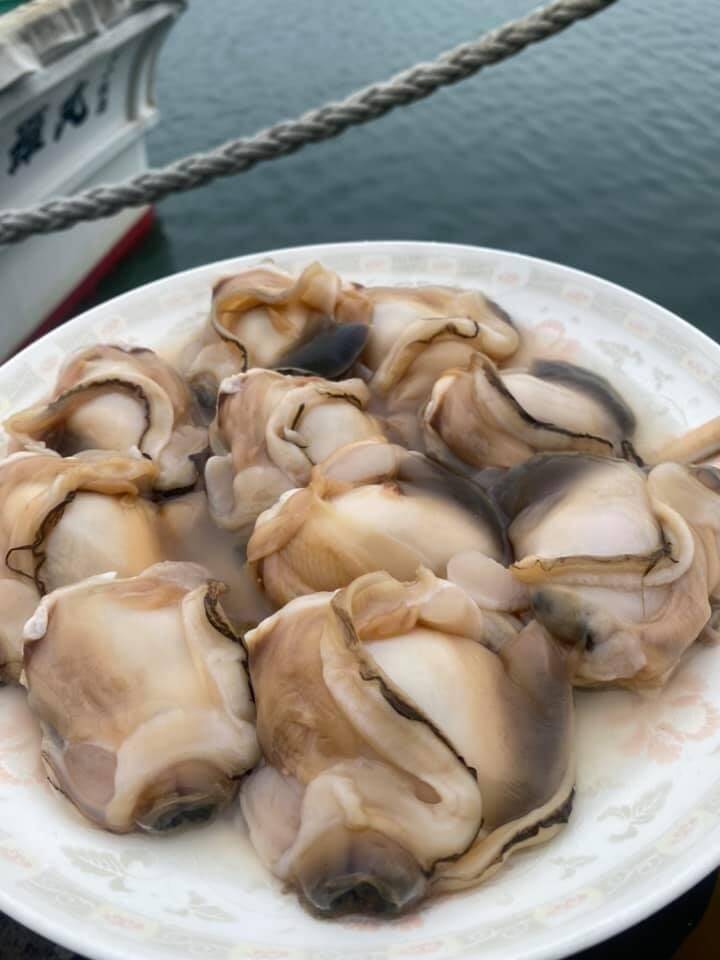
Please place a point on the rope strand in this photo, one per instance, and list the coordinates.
(323, 123)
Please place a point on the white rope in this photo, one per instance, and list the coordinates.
(286, 137)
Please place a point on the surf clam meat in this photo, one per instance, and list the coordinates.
(376, 506)
(64, 519)
(188, 532)
(121, 399)
(486, 417)
(693, 491)
(411, 742)
(330, 354)
(400, 315)
(261, 315)
(141, 690)
(417, 333)
(18, 600)
(425, 548)
(696, 445)
(268, 433)
(619, 563)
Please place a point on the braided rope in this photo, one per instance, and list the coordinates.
(286, 137)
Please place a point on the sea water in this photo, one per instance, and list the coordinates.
(597, 148)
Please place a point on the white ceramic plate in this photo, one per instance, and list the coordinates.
(646, 824)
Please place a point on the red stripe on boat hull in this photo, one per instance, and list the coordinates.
(67, 307)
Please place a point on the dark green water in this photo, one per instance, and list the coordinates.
(599, 148)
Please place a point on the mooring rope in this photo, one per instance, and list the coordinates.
(286, 137)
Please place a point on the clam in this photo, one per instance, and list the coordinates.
(485, 417)
(269, 432)
(62, 520)
(330, 354)
(262, 316)
(412, 742)
(188, 532)
(693, 491)
(141, 690)
(120, 399)
(693, 446)
(619, 563)
(18, 600)
(417, 333)
(389, 675)
(375, 506)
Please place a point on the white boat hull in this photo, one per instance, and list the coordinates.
(78, 122)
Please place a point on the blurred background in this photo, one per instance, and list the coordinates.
(599, 148)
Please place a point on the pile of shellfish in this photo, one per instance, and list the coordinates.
(342, 563)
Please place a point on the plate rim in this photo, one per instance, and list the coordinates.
(690, 868)
(311, 248)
